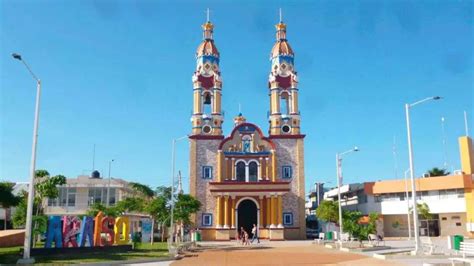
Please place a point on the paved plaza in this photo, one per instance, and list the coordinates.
(275, 253)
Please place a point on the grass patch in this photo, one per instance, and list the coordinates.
(142, 251)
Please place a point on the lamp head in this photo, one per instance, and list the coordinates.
(437, 98)
(356, 149)
(16, 56)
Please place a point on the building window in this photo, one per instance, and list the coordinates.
(287, 218)
(207, 219)
(66, 197)
(240, 171)
(286, 172)
(207, 172)
(253, 172)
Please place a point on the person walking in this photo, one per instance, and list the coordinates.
(255, 234)
(246, 238)
(242, 235)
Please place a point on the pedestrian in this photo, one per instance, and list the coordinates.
(246, 238)
(255, 234)
(242, 235)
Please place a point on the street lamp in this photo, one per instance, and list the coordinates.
(408, 204)
(339, 181)
(31, 189)
(412, 168)
(108, 186)
(173, 144)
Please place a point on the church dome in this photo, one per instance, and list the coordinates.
(281, 47)
(207, 47)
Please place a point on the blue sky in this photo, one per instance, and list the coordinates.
(118, 74)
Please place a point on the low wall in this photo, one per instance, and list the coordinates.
(12, 238)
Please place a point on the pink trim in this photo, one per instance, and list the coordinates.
(266, 182)
(300, 136)
(242, 125)
(205, 137)
(252, 190)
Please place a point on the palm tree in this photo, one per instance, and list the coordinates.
(435, 171)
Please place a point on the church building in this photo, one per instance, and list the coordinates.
(247, 177)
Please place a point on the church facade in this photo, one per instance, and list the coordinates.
(247, 177)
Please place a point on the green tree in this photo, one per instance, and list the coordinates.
(184, 207)
(352, 224)
(97, 207)
(435, 171)
(157, 209)
(424, 211)
(7, 198)
(131, 204)
(328, 211)
(142, 189)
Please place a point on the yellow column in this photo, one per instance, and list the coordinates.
(274, 167)
(269, 174)
(219, 165)
(261, 211)
(268, 210)
(280, 211)
(233, 169)
(232, 213)
(218, 212)
(226, 211)
(197, 101)
(217, 101)
(274, 211)
(294, 101)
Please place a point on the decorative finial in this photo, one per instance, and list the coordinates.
(208, 13)
(281, 16)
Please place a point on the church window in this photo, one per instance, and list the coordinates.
(240, 171)
(207, 219)
(286, 129)
(284, 103)
(287, 218)
(207, 103)
(253, 172)
(286, 172)
(207, 172)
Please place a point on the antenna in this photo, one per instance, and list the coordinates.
(180, 184)
(93, 159)
(240, 111)
(281, 16)
(444, 144)
(395, 161)
(465, 124)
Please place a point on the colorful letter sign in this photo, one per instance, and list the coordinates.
(71, 227)
(69, 231)
(54, 232)
(122, 230)
(87, 231)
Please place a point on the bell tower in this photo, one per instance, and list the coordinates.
(207, 116)
(283, 84)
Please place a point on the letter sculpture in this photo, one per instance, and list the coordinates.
(71, 227)
(98, 229)
(108, 230)
(121, 230)
(54, 232)
(86, 232)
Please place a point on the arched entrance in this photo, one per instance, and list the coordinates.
(247, 215)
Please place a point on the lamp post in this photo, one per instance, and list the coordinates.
(412, 168)
(408, 204)
(173, 160)
(31, 189)
(108, 186)
(339, 181)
